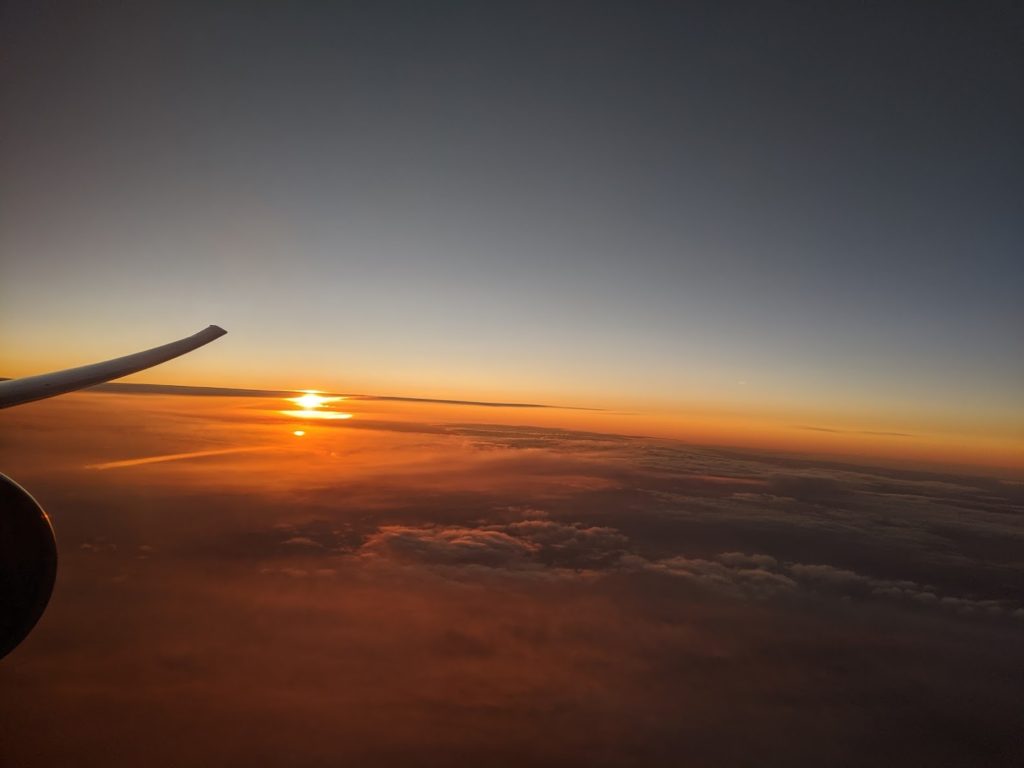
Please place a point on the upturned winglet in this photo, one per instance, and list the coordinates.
(29, 388)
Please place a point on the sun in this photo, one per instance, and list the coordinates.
(313, 406)
(311, 400)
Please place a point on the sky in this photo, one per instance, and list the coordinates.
(669, 368)
(785, 212)
(243, 581)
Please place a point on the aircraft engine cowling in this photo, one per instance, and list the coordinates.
(28, 563)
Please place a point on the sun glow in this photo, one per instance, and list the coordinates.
(311, 400)
(314, 406)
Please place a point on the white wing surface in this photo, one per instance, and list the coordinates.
(29, 388)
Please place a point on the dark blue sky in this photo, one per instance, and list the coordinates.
(774, 204)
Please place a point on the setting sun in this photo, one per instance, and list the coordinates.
(312, 406)
(311, 400)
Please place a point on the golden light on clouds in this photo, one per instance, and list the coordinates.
(304, 414)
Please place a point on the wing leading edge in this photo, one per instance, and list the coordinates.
(29, 388)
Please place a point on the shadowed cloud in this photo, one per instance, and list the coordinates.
(855, 431)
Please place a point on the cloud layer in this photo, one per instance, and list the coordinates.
(416, 592)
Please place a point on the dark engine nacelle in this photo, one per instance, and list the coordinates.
(28, 563)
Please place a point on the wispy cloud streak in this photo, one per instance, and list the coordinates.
(175, 457)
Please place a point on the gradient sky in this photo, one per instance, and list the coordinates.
(807, 210)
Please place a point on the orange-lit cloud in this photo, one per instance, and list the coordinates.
(400, 585)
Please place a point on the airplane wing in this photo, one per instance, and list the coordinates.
(29, 388)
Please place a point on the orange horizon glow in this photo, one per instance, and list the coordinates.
(862, 430)
(254, 424)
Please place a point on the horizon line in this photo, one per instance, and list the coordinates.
(189, 390)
